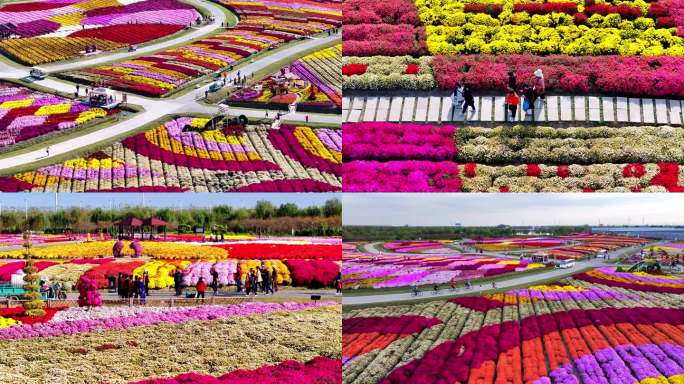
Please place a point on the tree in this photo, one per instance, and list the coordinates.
(264, 209)
(332, 207)
(288, 210)
(33, 306)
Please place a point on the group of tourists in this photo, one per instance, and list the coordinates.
(258, 279)
(530, 92)
(131, 286)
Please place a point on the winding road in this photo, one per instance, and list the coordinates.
(513, 281)
(154, 109)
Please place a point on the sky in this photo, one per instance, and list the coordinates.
(445, 209)
(180, 200)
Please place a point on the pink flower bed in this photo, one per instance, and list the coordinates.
(659, 76)
(317, 273)
(202, 313)
(389, 141)
(400, 176)
(390, 28)
(322, 370)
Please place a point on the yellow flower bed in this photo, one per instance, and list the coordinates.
(153, 249)
(556, 288)
(160, 271)
(452, 31)
(53, 109)
(38, 50)
(6, 322)
(309, 141)
(283, 272)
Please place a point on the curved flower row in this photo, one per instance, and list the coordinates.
(47, 34)
(312, 82)
(318, 370)
(186, 314)
(397, 270)
(262, 26)
(599, 338)
(26, 114)
(639, 282)
(172, 158)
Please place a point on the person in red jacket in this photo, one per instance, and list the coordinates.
(201, 288)
(512, 101)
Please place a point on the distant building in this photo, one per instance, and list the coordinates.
(664, 233)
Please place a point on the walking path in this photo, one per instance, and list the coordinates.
(479, 288)
(156, 108)
(438, 108)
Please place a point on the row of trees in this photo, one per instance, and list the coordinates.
(387, 233)
(264, 217)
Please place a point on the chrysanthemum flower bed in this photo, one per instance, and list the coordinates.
(47, 31)
(625, 48)
(568, 332)
(388, 270)
(26, 114)
(79, 345)
(262, 26)
(512, 159)
(313, 82)
(171, 158)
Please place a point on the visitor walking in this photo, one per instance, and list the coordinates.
(214, 280)
(274, 279)
(142, 287)
(134, 287)
(178, 282)
(259, 280)
(47, 151)
(469, 100)
(253, 283)
(457, 99)
(539, 86)
(201, 288)
(512, 101)
(528, 103)
(238, 278)
(512, 81)
(248, 286)
(146, 281)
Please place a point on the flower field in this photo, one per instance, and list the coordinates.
(313, 82)
(581, 243)
(168, 158)
(78, 346)
(262, 26)
(299, 262)
(571, 331)
(417, 246)
(46, 31)
(372, 270)
(629, 48)
(26, 114)
(384, 157)
(417, 158)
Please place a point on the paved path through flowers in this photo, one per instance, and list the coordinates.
(478, 289)
(157, 108)
(585, 109)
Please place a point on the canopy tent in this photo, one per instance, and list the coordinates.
(129, 226)
(155, 225)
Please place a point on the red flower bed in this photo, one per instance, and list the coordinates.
(99, 272)
(282, 251)
(412, 69)
(383, 39)
(658, 76)
(668, 177)
(407, 324)
(490, 9)
(7, 270)
(129, 33)
(17, 313)
(321, 370)
(625, 11)
(544, 8)
(28, 7)
(354, 69)
(312, 273)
